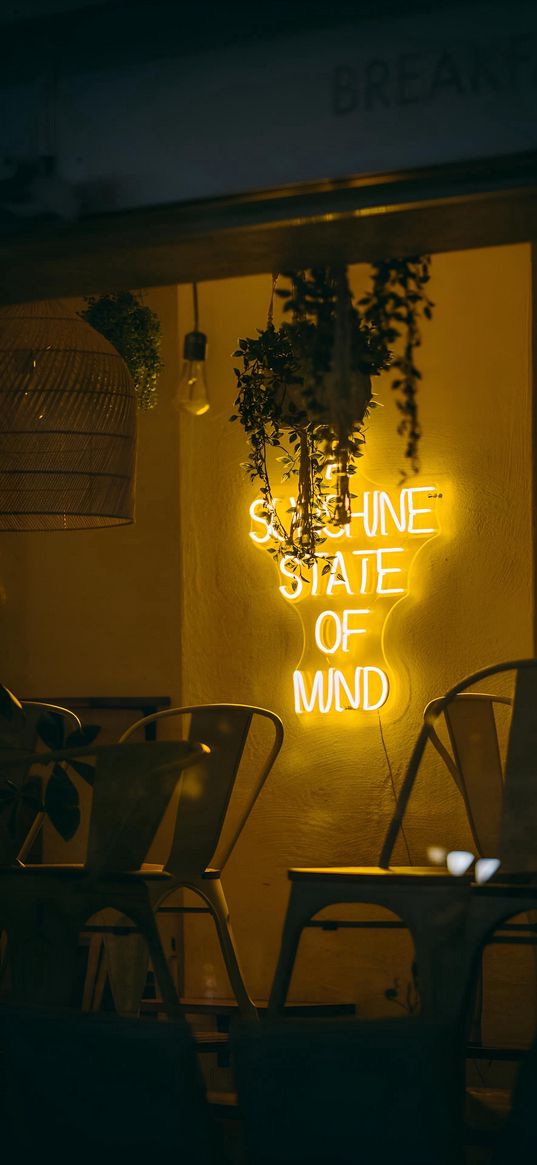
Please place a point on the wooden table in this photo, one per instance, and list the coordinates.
(449, 920)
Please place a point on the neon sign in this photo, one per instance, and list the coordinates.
(345, 601)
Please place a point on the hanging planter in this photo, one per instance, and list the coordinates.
(305, 388)
(134, 330)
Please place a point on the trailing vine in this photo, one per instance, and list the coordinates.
(305, 389)
(394, 307)
(134, 330)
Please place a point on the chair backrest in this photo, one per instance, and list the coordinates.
(132, 787)
(206, 792)
(475, 762)
(37, 711)
(500, 799)
(21, 720)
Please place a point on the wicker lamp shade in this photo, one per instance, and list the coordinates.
(67, 423)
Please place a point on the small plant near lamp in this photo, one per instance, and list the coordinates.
(134, 330)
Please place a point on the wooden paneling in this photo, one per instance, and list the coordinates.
(440, 209)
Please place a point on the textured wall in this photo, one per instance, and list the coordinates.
(110, 612)
(330, 796)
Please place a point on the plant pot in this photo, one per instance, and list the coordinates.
(341, 413)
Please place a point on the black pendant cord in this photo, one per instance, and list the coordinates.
(195, 303)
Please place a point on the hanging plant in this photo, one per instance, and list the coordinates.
(134, 330)
(305, 388)
(394, 307)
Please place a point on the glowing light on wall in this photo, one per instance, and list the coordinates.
(330, 691)
(345, 601)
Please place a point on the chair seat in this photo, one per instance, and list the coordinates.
(148, 870)
(403, 874)
(77, 870)
(505, 880)
(29, 870)
(487, 1109)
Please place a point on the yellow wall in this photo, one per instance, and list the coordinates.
(330, 796)
(183, 604)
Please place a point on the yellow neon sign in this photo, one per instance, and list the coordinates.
(345, 601)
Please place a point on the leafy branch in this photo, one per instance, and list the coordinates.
(394, 306)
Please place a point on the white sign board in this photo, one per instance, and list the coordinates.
(374, 97)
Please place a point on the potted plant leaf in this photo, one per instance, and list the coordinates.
(305, 389)
(23, 801)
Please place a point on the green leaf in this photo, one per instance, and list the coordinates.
(87, 772)
(61, 803)
(50, 729)
(83, 736)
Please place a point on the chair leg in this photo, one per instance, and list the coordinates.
(295, 919)
(127, 964)
(3, 953)
(476, 1021)
(100, 984)
(95, 952)
(145, 919)
(214, 895)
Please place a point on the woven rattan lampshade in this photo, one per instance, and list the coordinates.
(67, 423)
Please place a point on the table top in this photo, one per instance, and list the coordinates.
(504, 882)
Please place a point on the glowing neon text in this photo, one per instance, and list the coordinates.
(347, 593)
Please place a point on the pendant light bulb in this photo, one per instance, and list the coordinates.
(192, 394)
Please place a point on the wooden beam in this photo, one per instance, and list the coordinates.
(444, 208)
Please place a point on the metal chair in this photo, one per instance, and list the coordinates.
(201, 816)
(475, 762)
(44, 907)
(449, 918)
